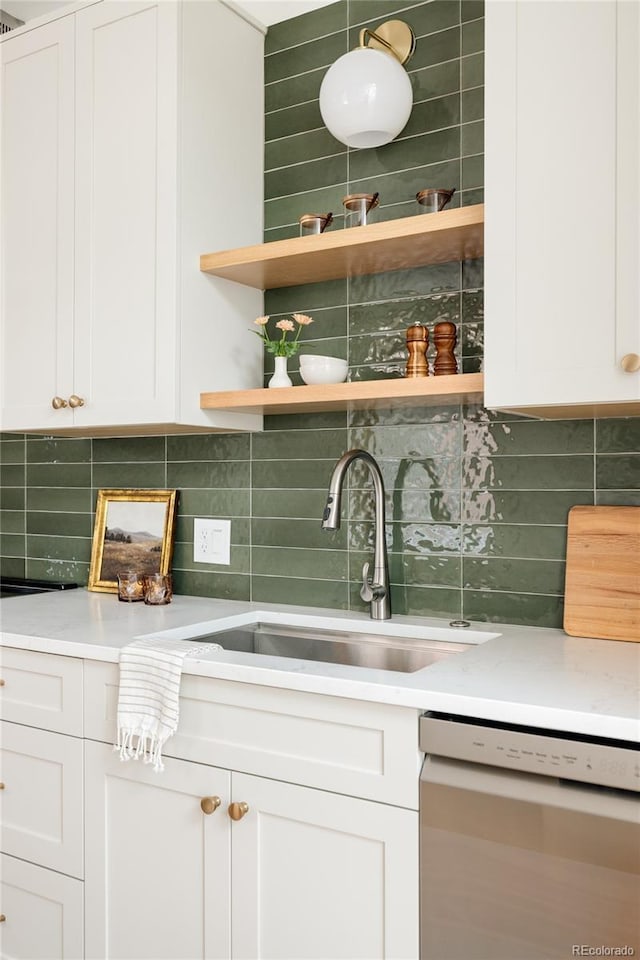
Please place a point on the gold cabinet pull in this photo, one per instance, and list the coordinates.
(1, 683)
(210, 804)
(58, 403)
(1, 786)
(75, 401)
(2, 918)
(630, 363)
(238, 810)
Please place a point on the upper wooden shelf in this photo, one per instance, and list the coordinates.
(359, 394)
(377, 248)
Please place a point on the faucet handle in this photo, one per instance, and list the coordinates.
(370, 591)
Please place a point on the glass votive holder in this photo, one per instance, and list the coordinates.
(434, 199)
(130, 586)
(313, 223)
(158, 589)
(358, 207)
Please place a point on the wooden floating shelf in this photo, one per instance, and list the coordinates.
(377, 248)
(361, 394)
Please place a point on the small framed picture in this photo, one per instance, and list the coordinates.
(134, 530)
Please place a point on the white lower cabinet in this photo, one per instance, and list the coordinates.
(303, 873)
(43, 913)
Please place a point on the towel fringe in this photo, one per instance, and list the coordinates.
(140, 745)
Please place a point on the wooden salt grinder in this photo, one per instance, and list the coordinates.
(444, 338)
(417, 343)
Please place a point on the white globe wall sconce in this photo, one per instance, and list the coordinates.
(366, 95)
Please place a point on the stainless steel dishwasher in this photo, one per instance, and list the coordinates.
(529, 843)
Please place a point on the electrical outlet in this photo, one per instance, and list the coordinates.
(211, 541)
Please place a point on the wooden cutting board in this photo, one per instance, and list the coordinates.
(602, 584)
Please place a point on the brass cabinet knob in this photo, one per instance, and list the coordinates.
(75, 401)
(1, 683)
(2, 918)
(238, 810)
(210, 804)
(630, 363)
(58, 403)
(1, 786)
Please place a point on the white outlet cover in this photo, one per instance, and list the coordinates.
(211, 541)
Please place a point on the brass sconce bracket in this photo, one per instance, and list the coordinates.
(393, 36)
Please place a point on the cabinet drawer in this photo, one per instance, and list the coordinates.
(43, 913)
(41, 812)
(353, 747)
(41, 690)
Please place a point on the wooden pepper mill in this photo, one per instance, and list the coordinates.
(417, 343)
(444, 338)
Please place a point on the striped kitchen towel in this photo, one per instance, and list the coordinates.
(148, 698)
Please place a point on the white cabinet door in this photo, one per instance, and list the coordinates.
(157, 867)
(319, 875)
(126, 114)
(42, 913)
(36, 283)
(557, 241)
(41, 803)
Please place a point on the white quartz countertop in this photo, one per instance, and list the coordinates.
(521, 675)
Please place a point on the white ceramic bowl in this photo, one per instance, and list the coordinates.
(317, 370)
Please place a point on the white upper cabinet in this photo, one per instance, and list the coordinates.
(562, 254)
(132, 140)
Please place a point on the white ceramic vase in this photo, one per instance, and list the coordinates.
(280, 378)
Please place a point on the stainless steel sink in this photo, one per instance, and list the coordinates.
(402, 654)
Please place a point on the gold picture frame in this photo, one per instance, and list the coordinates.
(134, 530)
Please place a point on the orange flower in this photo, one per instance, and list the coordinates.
(284, 325)
(261, 321)
(302, 319)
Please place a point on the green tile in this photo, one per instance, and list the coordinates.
(232, 474)
(472, 71)
(302, 178)
(407, 569)
(312, 421)
(72, 571)
(306, 298)
(328, 323)
(618, 435)
(412, 442)
(472, 274)
(310, 564)
(420, 505)
(12, 474)
(472, 172)
(294, 474)
(293, 91)
(214, 446)
(290, 209)
(524, 541)
(59, 548)
(377, 371)
(618, 471)
(469, 198)
(473, 107)
(214, 503)
(299, 444)
(183, 560)
(618, 498)
(573, 472)
(394, 315)
(293, 120)
(435, 278)
(60, 524)
(12, 498)
(8, 437)
(12, 452)
(437, 49)
(401, 187)
(472, 306)
(222, 586)
(472, 37)
(415, 601)
(423, 18)
(383, 349)
(12, 544)
(514, 576)
(530, 437)
(526, 506)
(129, 449)
(360, 10)
(72, 500)
(287, 232)
(420, 538)
(307, 26)
(59, 475)
(11, 521)
(313, 593)
(472, 9)
(472, 339)
(299, 504)
(138, 476)
(416, 151)
(58, 450)
(530, 610)
(472, 138)
(404, 415)
(300, 148)
(12, 567)
(435, 81)
(321, 52)
(296, 533)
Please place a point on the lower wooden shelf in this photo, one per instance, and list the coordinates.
(360, 394)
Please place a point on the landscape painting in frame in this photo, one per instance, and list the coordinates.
(134, 530)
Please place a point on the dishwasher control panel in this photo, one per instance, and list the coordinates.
(612, 764)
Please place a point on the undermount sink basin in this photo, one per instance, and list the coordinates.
(402, 654)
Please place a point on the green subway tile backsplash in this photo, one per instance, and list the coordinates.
(477, 501)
